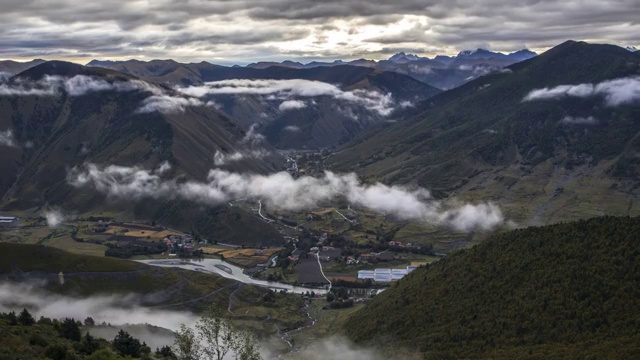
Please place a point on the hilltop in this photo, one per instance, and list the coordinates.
(560, 291)
(542, 161)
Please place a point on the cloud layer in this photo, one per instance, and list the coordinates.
(281, 190)
(286, 89)
(241, 31)
(292, 105)
(54, 217)
(7, 138)
(623, 91)
(80, 85)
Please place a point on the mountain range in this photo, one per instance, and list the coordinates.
(550, 138)
(328, 108)
(59, 116)
(526, 137)
(10, 67)
(443, 72)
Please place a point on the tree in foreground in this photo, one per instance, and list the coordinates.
(25, 318)
(214, 338)
(126, 345)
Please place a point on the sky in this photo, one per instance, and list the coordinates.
(243, 31)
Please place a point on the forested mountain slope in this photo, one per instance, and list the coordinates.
(561, 291)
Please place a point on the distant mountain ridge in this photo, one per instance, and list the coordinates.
(482, 141)
(444, 72)
(15, 67)
(319, 121)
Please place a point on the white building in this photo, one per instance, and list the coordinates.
(385, 275)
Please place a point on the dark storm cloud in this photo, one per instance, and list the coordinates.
(235, 29)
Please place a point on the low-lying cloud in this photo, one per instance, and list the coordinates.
(54, 217)
(7, 138)
(80, 85)
(124, 312)
(117, 310)
(292, 128)
(616, 92)
(292, 105)
(281, 190)
(220, 158)
(167, 104)
(286, 89)
(578, 120)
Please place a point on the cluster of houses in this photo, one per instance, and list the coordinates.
(101, 226)
(376, 257)
(180, 242)
(8, 221)
(385, 275)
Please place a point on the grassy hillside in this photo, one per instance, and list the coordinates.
(481, 141)
(153, 286)
(56, 133)
(562, 291)
(49, 259)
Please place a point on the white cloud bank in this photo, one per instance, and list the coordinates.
(285, 89)
(167, 104)
(7, 139)
(54, 217)
(78, 85)
(292, 128)
(616, 92)
(292, 105)
(117, 310)
(81, 85)
(281, 190)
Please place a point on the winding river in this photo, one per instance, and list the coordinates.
(225, 269)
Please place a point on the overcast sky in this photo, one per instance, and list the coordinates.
(242, 31)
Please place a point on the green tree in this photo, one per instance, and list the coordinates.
(70, 330)
(88, 345)
(165, 353)
(126, 345)
(25, 318)
(186, 344)
(12, 318)
(214, 338)
(103, 354)
(216, 334)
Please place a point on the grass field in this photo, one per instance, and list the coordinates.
(59, 238)
(49, 259)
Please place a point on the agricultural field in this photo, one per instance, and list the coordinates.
(242, 257)
(308, 272)
(60, 237)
